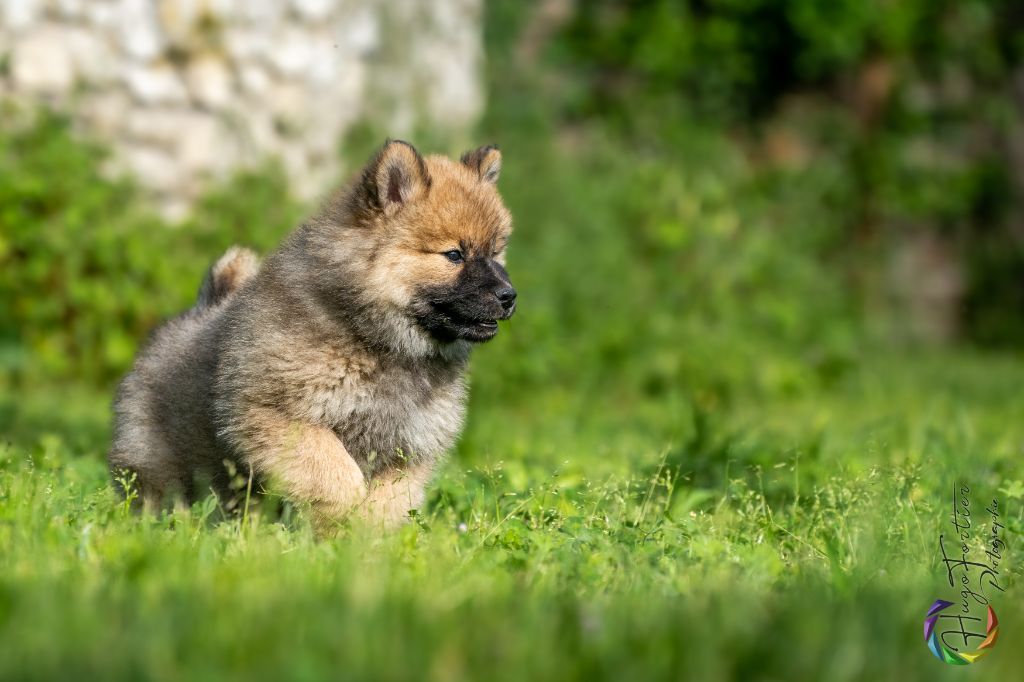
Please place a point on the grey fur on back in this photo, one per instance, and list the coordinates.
(163, 434)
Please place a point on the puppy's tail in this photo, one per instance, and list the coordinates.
(236, 267)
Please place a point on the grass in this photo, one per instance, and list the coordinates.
(793, 541)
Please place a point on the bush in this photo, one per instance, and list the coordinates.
(86, 270)
(906, 106)
(737, 58)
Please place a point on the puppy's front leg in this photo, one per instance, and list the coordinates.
(308, 464)
(393, 493)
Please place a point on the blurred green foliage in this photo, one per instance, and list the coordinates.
(737, 58)
(917, 102)
(72, 294)
(86, 270)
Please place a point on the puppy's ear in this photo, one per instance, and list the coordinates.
(396, 176)
(485, 162)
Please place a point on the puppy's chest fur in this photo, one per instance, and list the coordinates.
(387, 413)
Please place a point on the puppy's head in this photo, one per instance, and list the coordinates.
(439, 231)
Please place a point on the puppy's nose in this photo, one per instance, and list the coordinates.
(507, 296)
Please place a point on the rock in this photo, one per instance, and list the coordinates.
(262, 12)
(195, 141)
(315, 180)
(195, 25)
(344, 100)
(92, 58)
(359, 33)
(259, 139)
(313, 10)
(244, 44)
(225, 11)
(20, 14)
(101, 15)
(254, 79)
(138, 30)
(203, 147)
(68, 9)
(156, 84)
(105, 111)
(288, 104)
(292, 55)
(41, 62)
(296, 165)
(49, 59)
(160, 126)
(325, 59)
(178, 20)
(152, 167)
(209, 81)
(455, 100)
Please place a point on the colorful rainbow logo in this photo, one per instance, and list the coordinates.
(943, 652)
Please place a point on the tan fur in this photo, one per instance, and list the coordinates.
(446, 219)
(228, 274)
(314, 371)
(394, 493)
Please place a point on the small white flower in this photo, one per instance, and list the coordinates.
(463, 527)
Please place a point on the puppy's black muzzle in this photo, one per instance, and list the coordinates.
(471, 307)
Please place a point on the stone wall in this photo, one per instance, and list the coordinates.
(187, 90)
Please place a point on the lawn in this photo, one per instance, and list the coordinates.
(790, 541)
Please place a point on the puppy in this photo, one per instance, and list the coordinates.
(335, 371)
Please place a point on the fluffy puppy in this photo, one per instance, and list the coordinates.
(334, 371)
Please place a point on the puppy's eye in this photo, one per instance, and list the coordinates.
(454, 255)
